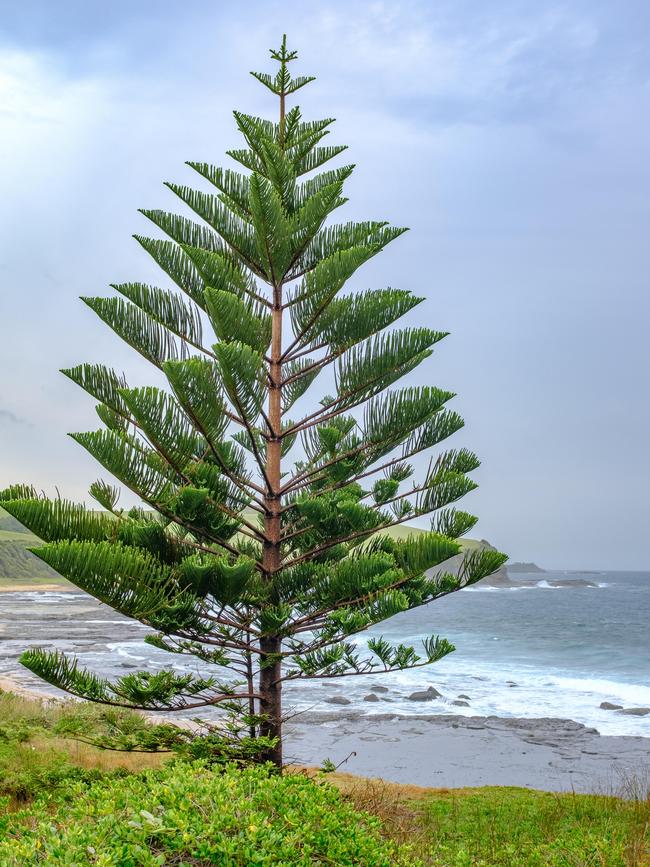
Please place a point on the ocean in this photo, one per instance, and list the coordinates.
(555, 644)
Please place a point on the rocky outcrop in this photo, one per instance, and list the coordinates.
(425, 695)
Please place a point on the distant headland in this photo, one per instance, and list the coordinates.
(529, 568)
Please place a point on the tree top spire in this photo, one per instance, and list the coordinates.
(283, 56)
(282, 84)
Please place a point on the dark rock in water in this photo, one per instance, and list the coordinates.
(338, 699)
(371, 697)
(466, 697)
(425, 695)
(511, 683)
(378, 689)
(636, 711)
(607, 705)
(460, 703)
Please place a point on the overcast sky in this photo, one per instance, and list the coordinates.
(512, 137)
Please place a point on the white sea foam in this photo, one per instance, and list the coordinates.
(532, 692)
(46, 594)
(126, 649)
(119, 622)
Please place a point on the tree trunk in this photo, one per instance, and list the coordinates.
(270, 645)
(270, 684)
(271, 700)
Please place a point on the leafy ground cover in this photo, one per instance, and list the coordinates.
(189, 814)
(148, 810)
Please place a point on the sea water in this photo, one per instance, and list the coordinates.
(552, 645)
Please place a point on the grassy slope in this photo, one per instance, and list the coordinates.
(448, 828)
(18, 566)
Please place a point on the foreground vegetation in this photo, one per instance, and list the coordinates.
(189, 814)
(152, 809)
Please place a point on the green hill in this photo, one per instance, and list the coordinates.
(17, 564)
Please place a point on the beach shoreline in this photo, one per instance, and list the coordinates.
(453, 751)
(53, 587)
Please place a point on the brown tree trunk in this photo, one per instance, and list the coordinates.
(271, 700)
(270, 684)
(270, 645)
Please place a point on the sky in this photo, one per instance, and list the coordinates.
(512, 137)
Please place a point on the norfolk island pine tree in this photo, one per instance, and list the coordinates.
(260, 565)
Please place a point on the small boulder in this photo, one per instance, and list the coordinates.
(466, 697)
(635, 711)
(460, 703)
(371, 697)
(607, 705)
(338, 699)
(511, 683)
(425, 695)
(378, 689)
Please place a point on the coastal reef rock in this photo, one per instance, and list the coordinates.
(636, 711)
(338, 699)
(370, 697)
(607, 705)
(460, 703)
(425, 695)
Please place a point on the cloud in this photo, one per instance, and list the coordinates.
(11, 418)
(508, 135)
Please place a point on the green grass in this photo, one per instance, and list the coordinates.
(19, 567)
(522, 828)
(17, 536)
(144, 807)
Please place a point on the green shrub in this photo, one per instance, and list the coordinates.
(188, 814)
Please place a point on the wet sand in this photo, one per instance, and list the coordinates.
(455, 751)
